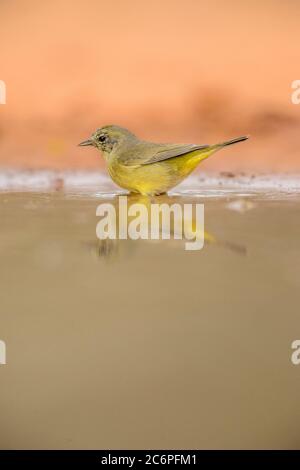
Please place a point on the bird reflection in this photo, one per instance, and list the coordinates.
(113, 249)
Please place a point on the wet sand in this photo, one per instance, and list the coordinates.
(141, 344)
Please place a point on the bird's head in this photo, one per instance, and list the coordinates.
(109, 138)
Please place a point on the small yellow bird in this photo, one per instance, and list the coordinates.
(145, 167)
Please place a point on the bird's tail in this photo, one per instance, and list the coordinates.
(209, 150)
(233, 141)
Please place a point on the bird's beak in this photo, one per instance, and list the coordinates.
(86, 142)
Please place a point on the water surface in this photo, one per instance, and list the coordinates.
(141, 344)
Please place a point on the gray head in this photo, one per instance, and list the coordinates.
(109, 138)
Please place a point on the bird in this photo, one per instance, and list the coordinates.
(148, 168)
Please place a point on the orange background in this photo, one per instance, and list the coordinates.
(171, 70)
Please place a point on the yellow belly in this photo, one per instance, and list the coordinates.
(156, 178)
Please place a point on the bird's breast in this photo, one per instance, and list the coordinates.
(122, 175)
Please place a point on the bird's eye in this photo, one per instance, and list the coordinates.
(102, 138)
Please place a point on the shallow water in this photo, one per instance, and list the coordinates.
(141, 344)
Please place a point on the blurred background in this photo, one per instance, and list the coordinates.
(192, 71)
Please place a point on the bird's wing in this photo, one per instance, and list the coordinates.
(148, 154)
(173, 151)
